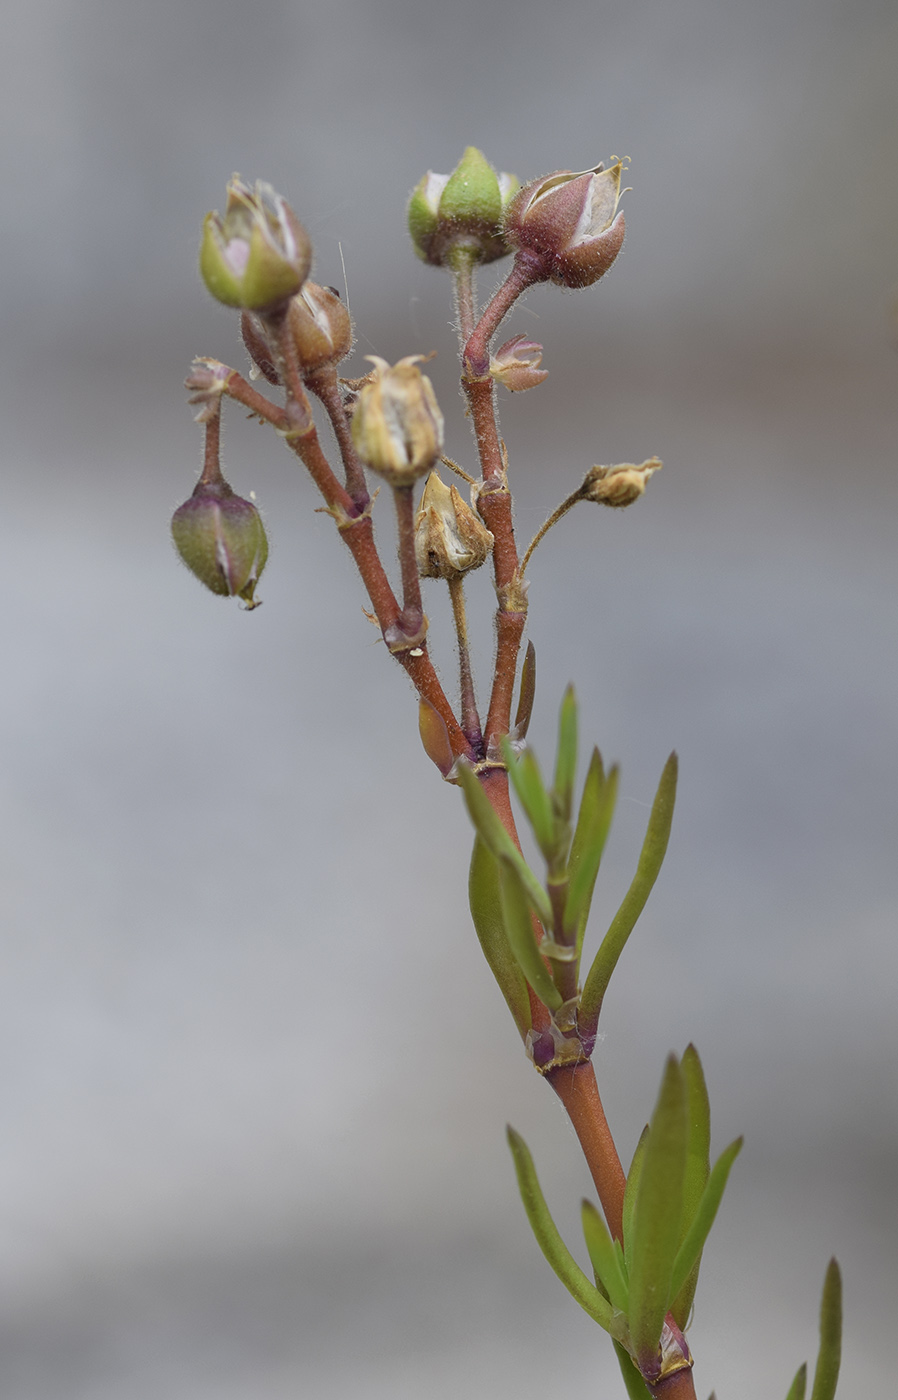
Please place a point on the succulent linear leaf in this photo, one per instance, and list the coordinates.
(698, 1169)
(523, 770)
(829, 1357)
(690, 1250)
(604, 1258)
(650, 861)
(519, 927)
(656, 1218)
(630, 1191)
(799, 1385)
(486, 910)
(566, 759)
(593, 825)
(553, 1246)
(490, 828)
(527, 694)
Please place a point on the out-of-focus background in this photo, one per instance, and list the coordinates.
(255, 1074)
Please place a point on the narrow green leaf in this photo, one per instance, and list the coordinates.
(698, 1168)
(694, 1242)
(486, 909)
(798, 1386)
(656, 1219)
(551, 1243)
(523, 770)
(630, 1191)
(528, 693)
(592, 791)
(604, 1259)
(519, 927)
(566, 760)
(490, 828)
(589, 843)
(829, 1357)
(650, 860)
(636, 1386)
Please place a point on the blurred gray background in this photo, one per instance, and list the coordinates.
(255, 1074)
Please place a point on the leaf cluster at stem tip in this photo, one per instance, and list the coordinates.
(532, 929)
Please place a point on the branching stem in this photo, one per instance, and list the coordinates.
(470, 719)
(325, 385)
(553, 519)
(412, 616)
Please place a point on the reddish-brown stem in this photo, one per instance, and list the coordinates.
(524, 273)
(288, 363)
(470, 719)
(358, 532)
(509, 631)
(679, 1386)
(211, 474)
(412, 615)
(240, 389)
(481, 398)
(325, 385)
(579, 1092)
(511, 616)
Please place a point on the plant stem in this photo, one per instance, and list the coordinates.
(411, 618)
(463, 263)
(523, 275)
(553, 519)
(211, 474)
(494, 782)
(470, 719)
(579, 1092)
(357, 530)
(241, 391)
(511, 615)
(324, 384)
(679, 1386)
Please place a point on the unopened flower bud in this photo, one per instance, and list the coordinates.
(222, 540)
(516, 364)
(461, 212)
(620, 485)
(397, 426)
(320, 326)
(257, 255)
(450, 539)
(568, 224)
